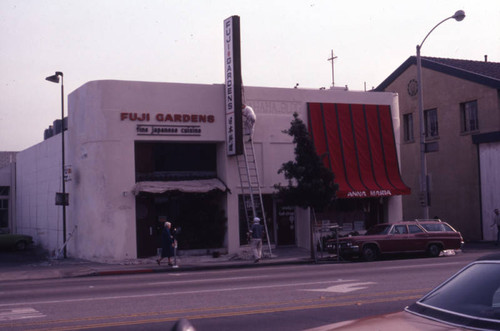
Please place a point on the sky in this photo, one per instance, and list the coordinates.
(283, 42)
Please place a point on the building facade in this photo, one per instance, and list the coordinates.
(139, 153)
(462, 122)
(7, 189)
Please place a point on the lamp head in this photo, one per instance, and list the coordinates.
(54, 78)
(459, 15)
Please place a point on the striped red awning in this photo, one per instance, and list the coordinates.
(357, 143)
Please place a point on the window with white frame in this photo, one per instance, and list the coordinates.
(468, 117)
(408, 128)
(431, 123)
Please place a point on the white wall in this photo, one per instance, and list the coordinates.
(489, 160)
(38, 178)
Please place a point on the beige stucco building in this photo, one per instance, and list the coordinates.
(462, 122)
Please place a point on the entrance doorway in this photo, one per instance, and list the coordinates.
(285, 224)
(198, 217)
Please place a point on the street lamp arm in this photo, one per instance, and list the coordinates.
(458, 16)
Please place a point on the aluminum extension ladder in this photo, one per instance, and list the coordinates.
(250, 189)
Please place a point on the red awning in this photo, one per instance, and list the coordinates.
(357, 143)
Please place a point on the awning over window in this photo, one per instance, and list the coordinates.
(357, 143)
(186, 186)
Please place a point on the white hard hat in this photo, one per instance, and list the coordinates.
(256, 220)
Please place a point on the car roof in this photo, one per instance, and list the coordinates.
(413, 222)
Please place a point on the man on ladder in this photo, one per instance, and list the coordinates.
(248, 120)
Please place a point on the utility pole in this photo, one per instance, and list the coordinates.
(332, 57)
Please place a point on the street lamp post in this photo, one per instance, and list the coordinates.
(424, 183)
(55, 79)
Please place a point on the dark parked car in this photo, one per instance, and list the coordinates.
(431, 237)
(14, 241)
(469, 300)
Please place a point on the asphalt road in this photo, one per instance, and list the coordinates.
(292, 297)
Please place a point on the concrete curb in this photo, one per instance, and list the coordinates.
(219, 266)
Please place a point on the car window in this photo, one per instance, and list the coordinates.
(379, 229)
(474, 292)
(399, 229)
(415, 229)
(448, 228)
(433, 227)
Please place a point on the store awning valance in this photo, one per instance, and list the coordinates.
(357, 143)
(186, 186)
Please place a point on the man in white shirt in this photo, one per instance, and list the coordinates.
(248, 121)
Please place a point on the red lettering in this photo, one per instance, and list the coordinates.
(159, 117)
(194, 118)
(169, 118)
(177, 118)
(123, 116)
(211, 118)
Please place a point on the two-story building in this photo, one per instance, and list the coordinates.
(462, 125)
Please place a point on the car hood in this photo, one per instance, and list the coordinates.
(396, 321)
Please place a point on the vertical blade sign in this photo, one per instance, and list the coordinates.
(233, 95)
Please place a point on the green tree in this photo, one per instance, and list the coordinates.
(310, 183)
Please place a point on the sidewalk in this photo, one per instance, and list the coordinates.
(65, 268)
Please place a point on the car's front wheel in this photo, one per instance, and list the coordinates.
(434, 250)
(370, 253)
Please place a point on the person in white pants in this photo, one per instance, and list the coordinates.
(249, 119)
(256, 232)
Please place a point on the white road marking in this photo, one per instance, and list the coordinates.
(343, 288)
(223, 289)
(19, 313)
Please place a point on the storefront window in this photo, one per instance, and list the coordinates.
(155, 161)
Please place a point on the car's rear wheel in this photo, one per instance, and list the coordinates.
(434, 250)
(21, 245)
(370, 253)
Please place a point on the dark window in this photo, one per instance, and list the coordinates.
(468, 117)
(4, 213)
(408, 127)
(415, 229)
(4, 190)
(399, 229)
(437, 227)
(156, 161)
(431, 123)
(4, 206)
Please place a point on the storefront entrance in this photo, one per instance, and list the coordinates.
(198, 217)
(285, 224)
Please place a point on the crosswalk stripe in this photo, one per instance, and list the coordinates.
(19, 313)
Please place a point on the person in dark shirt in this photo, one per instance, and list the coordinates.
(167, 244)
